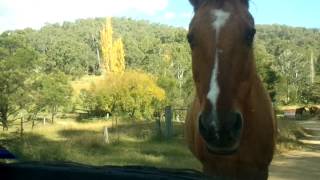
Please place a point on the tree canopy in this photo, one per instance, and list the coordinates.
(155, 56)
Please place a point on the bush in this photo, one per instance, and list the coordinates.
(133, 94)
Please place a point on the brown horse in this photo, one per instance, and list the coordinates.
(314, 110)
(300, 111)
(230, 126)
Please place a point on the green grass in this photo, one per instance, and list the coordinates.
(83, 142)
(69, 140)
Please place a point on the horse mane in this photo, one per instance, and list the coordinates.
(197, 3)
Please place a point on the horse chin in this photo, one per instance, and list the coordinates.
(225, 151)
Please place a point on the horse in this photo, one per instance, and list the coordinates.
(314, 110)
(300, 111)
(230, 126)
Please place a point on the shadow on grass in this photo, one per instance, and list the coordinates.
(85, 118)
(70, 133)
(35, 147)
(89, 147)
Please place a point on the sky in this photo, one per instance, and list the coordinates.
(19, 14)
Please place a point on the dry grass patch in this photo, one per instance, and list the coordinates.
(289, 135)
(83, 142)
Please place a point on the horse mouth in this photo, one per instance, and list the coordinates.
(223, 150)
(225, 140)
(225, 145)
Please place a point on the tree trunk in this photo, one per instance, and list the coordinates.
(132, 116)
(53, 113)
(117, 129)
(158, 124)
(312, 69)
(112, 126)
(32, 124)
(4, 117)
(31, 117)
(98, 58)
(4, 121)
(4, 126)
(52, 117)
(288, 92)
(21, 127)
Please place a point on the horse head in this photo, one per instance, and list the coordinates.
(221, 35)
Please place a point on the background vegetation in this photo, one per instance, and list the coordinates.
(129, 70)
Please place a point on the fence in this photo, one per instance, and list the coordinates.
(171, 116)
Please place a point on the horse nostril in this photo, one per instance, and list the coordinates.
(207, 127)
(238, 122)
(206, 118)
(203, 126)
(236, 125)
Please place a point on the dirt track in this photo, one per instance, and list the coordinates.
(303, 165)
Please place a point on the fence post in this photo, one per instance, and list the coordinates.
(158, 123)
(168, 116)
(106, 135)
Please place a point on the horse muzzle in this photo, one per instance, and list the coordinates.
(221, 131)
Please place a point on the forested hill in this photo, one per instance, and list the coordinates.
(278, 37)
(145, 43)
(294, 55)
(286, 56)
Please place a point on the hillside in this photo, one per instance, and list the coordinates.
(160, 49)
(288, 61)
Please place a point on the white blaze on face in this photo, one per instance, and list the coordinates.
(220, 18)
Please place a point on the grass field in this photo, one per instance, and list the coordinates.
(69, 140)
(83, 142)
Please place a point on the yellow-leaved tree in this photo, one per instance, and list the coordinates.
(133, 94)
(106, 44)
(112, 51)
(118, 62)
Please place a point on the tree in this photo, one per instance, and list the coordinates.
(139, 92)
(62, 50)
(17, 64)
(112, 51)
(292, 67)
(290, 49)
(69, 56)
(266, 69)
(55, 92)
(132, 93)
(118, 63)
(74, 48)
(106, 41)
(311, 94)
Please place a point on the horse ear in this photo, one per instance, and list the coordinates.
(196, 3)
(245, 2)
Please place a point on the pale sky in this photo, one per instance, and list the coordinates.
(18, 14)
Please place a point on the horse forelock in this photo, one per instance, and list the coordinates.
(197, 3)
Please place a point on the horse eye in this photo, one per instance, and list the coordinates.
(190, 39)
(249, 36)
